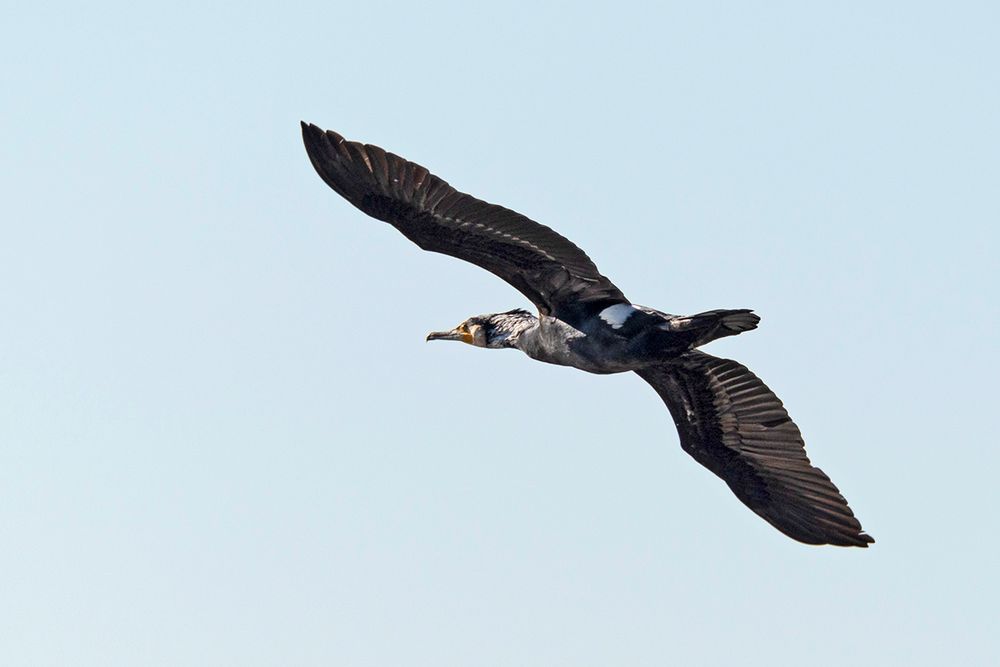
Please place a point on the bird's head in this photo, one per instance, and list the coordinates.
(492, 331)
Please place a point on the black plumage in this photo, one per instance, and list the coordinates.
(546, 267)
(727, 419)
(732, 424)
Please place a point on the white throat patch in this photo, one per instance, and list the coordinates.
(617, 314)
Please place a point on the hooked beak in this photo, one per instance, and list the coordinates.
(445, 335)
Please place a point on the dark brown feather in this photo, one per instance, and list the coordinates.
(547, 268)
(732, 424)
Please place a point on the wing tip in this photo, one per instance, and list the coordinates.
(329, 158)
(859, 539)
(308, 128)
(311, 136)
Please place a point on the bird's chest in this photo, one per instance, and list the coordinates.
(555, 342)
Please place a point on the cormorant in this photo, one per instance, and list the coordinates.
(728, 420)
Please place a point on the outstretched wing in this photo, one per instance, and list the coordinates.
(732, 424)
(547, 268)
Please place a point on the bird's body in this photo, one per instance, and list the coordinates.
(621, 338)
(591, 348)
(727, 419)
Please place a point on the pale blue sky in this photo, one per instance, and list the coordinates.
(223, 440)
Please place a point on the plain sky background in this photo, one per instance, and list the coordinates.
(223, 440)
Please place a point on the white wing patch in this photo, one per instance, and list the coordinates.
(617, 314)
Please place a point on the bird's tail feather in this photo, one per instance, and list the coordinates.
(714, 324)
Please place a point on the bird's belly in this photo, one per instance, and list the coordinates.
(589, 355)
(598, 351)
(602, 366)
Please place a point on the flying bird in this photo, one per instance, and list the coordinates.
(727, 419)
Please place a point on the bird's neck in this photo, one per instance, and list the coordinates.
(509, 328)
